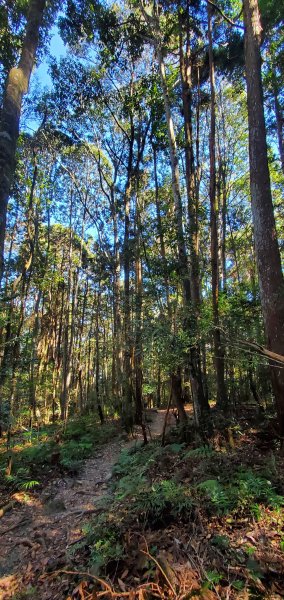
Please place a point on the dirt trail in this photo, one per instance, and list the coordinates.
(37, 534)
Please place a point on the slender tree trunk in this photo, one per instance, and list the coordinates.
(279, 125)
(117, 320)
(33, 366)
(224, 225)
(138, 331)
(192, 183)
(16, 86)
(218, 346)
(97, 362)
(182, 253)
(127, 408)
(267, 251)
(199, 399)
(68, 328)
(192, 203)
(161, 232)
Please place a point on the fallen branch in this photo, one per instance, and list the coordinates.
(7, 508)
(80, 539)
(77, 511)
(154, 588)
(160, 569)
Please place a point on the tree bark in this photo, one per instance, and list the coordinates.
(192, 201)
(16, 86)
(218, 346)
(267, 251)
(138, 330)
(127, 409)
(279, 125)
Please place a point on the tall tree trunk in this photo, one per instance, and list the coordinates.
(223, 183)
(16, 86)
(160, 231)
(138, 331)
(192, 175)
(182, 254)
(218, 346)
(192, 203)
(267, 251)
(68, 327)
(33, 365)
(127, 408)
(117, 320)
(97, 361)
(279, 125)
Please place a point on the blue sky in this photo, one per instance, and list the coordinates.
(40, 77)
(57, 49)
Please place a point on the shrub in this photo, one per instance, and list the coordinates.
(104, 539)
(163, 502)
(241, 494)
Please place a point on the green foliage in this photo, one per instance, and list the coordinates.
(212, 578)
(241, 494)
(164, 501)
(104, 540)
(128, 486)
(218, 497)
(137, 460)
(38, 454)
(202, 452)
(220, 541)
(77, 443)
(238, 585)
(74, 451)
(175, 448)
(29, 485)
(132, 467)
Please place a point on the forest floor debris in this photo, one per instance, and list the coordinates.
(50, 515)
(45, 520)
(175, 522)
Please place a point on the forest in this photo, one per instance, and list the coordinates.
(141, 299)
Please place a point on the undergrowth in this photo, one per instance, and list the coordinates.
(52, 449)
(163, 493)
(243, 493)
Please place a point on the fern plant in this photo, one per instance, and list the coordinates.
(104, 539)
(165, 500)
(215, 492)
(241, 494)
(29, 485)
(202, 452)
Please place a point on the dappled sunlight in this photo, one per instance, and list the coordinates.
(9, 586)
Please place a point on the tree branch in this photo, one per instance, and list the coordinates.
(219, 10)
